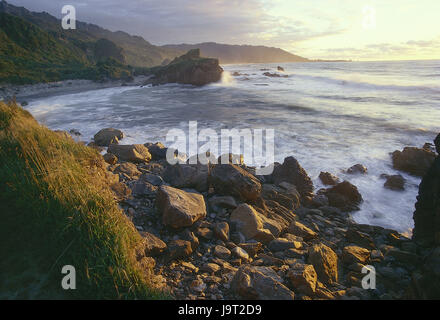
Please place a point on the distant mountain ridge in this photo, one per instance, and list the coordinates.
(228, 54)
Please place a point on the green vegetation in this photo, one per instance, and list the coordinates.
(57, 208)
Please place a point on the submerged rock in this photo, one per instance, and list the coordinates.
(395, 182)
(328, 179)
(357, 168)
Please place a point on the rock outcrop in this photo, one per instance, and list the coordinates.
(413, 160)
(188, 69)
(107, 136)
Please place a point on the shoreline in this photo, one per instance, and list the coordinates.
(59, 88)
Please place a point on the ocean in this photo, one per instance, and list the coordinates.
(329, 115)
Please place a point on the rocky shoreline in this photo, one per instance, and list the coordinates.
(218, 231)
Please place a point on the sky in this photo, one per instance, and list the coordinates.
(316, 29)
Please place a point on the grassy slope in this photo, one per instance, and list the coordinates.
(56, 208)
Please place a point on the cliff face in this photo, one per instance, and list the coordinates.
(426, 233)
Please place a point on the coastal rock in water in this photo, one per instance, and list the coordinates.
(135, 153)
(187, 176)
(325, 261)
(153, 245)
(395, 182)
(180, 208)
(189, 69)
(107, 136)
(260, 283)
(413, 160)
(357, 168)
(275, 75)
(292, 172)
(280, 68)
(328, 179)
(303, 278)
(230, 179)
(344, 196)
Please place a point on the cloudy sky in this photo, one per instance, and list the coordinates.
(327, 29)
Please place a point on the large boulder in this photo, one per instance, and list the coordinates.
(292, 172)
(303, 278)
(230, 179)
(246, 220)
(344, 196)
(413, 160)
(107, 136)
(325, 261)
(188, 69)
(187, 176)
(136, 153)
(179, 208)
(260, 283)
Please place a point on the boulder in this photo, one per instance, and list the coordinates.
(136, 153)
(157, 150)
(282, 244)
(110, 158)
(128, 169)
(325, 261)
(247, 221)
(292, 172)
(217, 203)
(108, 136)
(240, 253)
(153, 245)
(187, 176)
(344, 196)
(260, 283)
(285, 194)
(298, 229)
(222, 252)
(230, 179)
(303, 278)
(179, 208)
(328, 179)
(355, 254)
(221, 230)
(179, 249)
(188, 69)
(395, 182)
(413, 160)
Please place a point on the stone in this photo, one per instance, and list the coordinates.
(108, 136)
(285, 194)
(187, 176)
(210, 268)
(395, 182)
(325, 262)
(281, 244)
(153, 179)
(153, 245)
(344, 196)
(135, 153)
(303, 278)
(298, 229)
(142, 188)
(221, 230)
(252, 248)
(357, 168)
(230, 179)
(110, 158)
(240, 253)
(179, 208)
(247, 220)
(328, 179)
(128, 169)
(157, 150)
(292, 172)
(413, 160)
(355, 254)
(179, 249)
(222, 252)
(260, 283)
